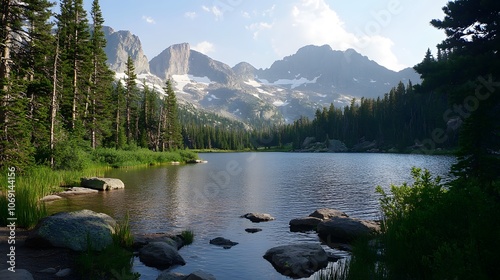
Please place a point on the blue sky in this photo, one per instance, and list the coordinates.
(394, 33)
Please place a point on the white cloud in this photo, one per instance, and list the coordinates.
(257, 27)
(149, 20)
(190, 15)
(245, 14)
(315, 22)
(218, 13)
(204, 47)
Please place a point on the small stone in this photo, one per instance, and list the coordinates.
(258, 217)
(49, 270)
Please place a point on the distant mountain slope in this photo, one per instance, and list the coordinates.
(321, 69)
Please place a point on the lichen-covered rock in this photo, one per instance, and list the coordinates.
(78, 231)
(258, 217)
(160, 255)
(297, 261)
(102, 184)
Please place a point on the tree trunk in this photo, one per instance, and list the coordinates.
(53, 104)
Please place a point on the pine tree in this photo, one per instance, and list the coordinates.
(23, 39)
(470, 75)
(100, 81)
(75, 46)
(172, 138)
(130, 97)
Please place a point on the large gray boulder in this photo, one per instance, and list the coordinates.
(311, 222)
(297, 261)
(77, 231)
(346, 230)
(77, 191)
(160, 255)
(19, 274)
(258, 217)
(102, 184)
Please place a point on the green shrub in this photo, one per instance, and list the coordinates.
(70, 155)
(435, 232)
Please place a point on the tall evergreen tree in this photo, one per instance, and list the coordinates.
(75, 46)
(172, 138)
(470, 76)
(130, 97)
(100, 81)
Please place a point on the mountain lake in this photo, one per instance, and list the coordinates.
(209, 199)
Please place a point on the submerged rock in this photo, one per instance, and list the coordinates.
(253, 230)
(258, 217)
(160, 255)
(346, 230)
(77, 191)
(225, 243)
(102, 184)
(78, 231)
(297, 261)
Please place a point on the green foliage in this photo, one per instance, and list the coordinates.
(70, 155)
(432, 232)
(139, 156)
(187, 236)
(114, 262)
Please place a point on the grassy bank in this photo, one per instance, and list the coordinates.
(39, 181)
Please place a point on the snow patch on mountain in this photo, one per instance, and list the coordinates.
(183, 80)
(279, 103)
(292, 83)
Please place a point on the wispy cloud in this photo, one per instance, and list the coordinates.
(204, 47)
(257, 27)
(245, 14)
(214, 10)
(190, 15)
(148, 19)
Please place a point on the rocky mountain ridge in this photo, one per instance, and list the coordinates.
(295, 86)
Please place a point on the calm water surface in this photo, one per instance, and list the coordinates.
(209, 198)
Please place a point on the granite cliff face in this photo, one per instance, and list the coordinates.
(121, 44)
(181, 60)
(172, 61)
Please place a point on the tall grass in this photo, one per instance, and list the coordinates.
(40, 181)
(35, 184)
(123, 235)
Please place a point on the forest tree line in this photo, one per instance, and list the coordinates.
(58, 94)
